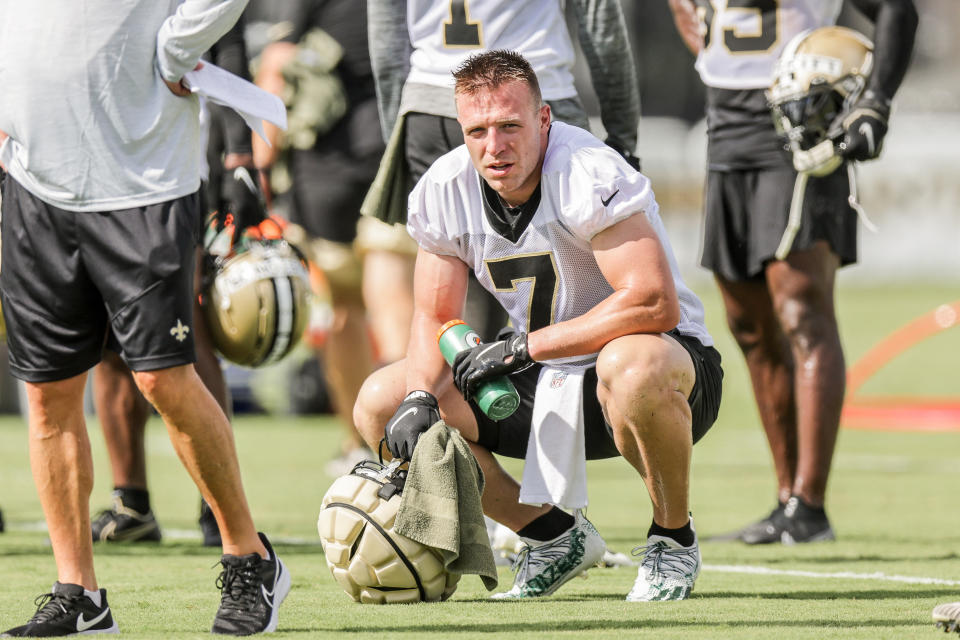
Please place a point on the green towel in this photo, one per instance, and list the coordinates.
(387, 198)
(440, 506)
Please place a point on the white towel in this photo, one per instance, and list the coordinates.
(555, 470)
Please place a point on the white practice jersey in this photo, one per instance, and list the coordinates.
(743, 38)
(549, 274)
(444, 33)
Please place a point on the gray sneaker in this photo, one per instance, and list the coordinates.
(667, 570)
(543, 567)
(947, 616)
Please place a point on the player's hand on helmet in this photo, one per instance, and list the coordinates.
(624, 152)
(505, 356)
(240, 200)
(865, 127)
(416, 414)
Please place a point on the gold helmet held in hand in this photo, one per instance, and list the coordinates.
(817, 81)
(257, 302)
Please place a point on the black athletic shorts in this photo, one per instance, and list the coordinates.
(69, 276)
(747, 211)
(510, 436)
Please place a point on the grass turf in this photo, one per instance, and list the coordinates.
(892, 500)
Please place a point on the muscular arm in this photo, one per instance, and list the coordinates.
(895, 29)
(603, 37)
(687, 23)
(644, 299)
(439, 289)
(390, 50)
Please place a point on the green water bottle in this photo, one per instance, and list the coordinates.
(497, 397)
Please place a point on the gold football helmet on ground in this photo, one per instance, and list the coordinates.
(817, 81)
(256, 302)
(367, 558)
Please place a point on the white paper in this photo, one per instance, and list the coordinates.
(252, 103)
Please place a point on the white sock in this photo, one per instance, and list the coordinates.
(93, 595)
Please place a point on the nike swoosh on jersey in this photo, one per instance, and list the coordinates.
(83, 625)
(606, 201)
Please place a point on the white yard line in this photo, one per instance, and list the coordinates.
(839, 575)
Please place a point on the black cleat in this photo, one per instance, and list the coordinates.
(66, 611)
(123, 524)
(765, 531)
(803, 524)
(208, 526)
(251, 590)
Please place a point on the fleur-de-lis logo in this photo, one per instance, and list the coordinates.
(180, 331)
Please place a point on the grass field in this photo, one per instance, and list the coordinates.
(893, 500)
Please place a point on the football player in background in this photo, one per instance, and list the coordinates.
(230, 189)
(566, 235)
(103, 156)
(414, 46)
(331, 163)
(781, 311)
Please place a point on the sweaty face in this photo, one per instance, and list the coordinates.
(506, 135)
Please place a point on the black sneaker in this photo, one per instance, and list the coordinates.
(123, 524)
(765, 531)
(66, 611)
(208, 526)
(2, 526)
(802, 524)
(251, 590)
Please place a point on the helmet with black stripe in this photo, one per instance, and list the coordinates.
(371, 562)
(256, 302)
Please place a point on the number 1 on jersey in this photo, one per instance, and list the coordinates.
(460, 32)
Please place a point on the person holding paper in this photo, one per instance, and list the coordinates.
(121, 408)
(101, 214)
(609, 351)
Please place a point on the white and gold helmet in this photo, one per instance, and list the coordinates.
(371, 562)
(818, 79)
(257, 302)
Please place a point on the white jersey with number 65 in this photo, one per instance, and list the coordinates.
(742, 39)
(548, 273)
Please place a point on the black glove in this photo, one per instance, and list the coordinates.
(473, 366)
(240, 199)
(418, 412)
(627, 154)
(865, 127)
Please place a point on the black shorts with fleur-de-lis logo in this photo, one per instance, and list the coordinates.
(74, 282)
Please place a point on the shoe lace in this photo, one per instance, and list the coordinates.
(49, 606)
(239, 585)
(530, 559)
(658, 559)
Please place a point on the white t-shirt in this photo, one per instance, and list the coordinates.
(92, 125)
(549, 274)
(445, 33)
(744, 38)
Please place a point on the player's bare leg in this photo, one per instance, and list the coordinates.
(203, 440)
(756, 329)
(63, 473)
(122, 412)
(802, 290)
(349, 360)
(388, 297)
(643, 385)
